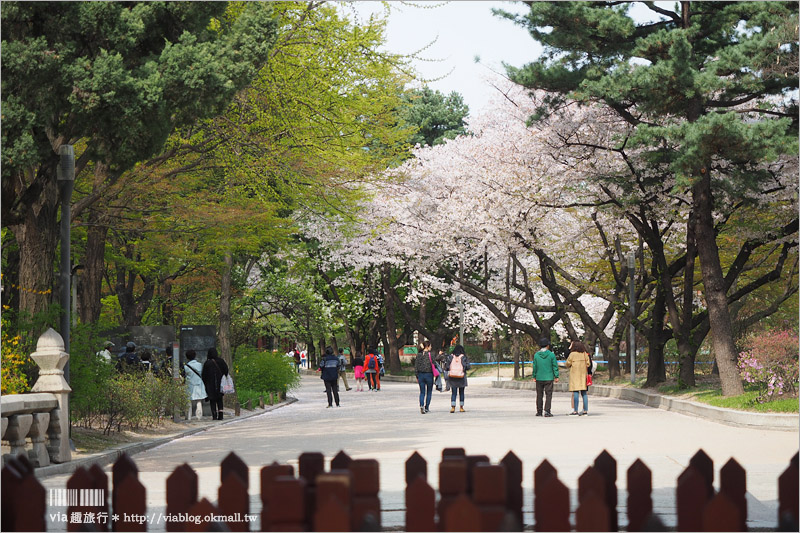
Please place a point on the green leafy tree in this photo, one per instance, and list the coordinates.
(703, 89)
(437, 117)
(114, 79)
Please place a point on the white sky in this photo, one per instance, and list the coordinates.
(462, 30)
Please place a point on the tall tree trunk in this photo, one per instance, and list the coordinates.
(167, 309)
(310, 353)
(37, 238)
(91, 284)
(132, 308)
(687, 353)
(224, 334)
(714, 285)
(393, 357)
(515, 350)
(224, 331)
(656, 339)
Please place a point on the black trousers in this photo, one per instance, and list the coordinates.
(332, 387)
(216, 406)
(545, 387)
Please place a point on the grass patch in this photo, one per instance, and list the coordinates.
(93, 440)
(747, 402)
(711, 394)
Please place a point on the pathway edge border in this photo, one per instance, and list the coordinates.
(109, 456)
(731, 417)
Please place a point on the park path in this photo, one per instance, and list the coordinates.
(388, 426)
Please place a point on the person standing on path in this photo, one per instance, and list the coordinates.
(578, 363)
(343, 369)
(456, 367)
(329, 372)
(545, 373)
(358, 372)
(424, 370)
(371, 369)
(213, 370)
(194, 383)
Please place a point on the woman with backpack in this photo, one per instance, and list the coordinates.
(371, 369)
(456, 368)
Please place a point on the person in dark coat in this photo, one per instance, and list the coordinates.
(457, 364)
(129, 361)
(213, 370)
(329, 370)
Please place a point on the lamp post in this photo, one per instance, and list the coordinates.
(632, 303)
(66, 179)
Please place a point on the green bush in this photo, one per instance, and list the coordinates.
(258, 373)
(90, 377)
(139, 399)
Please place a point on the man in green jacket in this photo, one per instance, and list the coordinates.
(545, 372)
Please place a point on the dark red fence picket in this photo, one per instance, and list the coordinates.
(474, 495)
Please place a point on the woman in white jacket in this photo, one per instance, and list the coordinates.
(194, 383)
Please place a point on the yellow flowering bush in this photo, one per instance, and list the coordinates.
(14, 360)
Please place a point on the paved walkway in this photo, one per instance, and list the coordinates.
(388, 426)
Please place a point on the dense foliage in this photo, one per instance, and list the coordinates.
(770, 362)
(259, 373)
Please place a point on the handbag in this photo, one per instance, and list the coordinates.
(588, 379)
(433, 366)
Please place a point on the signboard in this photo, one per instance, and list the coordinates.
(199, 339)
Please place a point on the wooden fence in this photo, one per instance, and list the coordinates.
(474, 495)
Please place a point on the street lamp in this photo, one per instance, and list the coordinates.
(632, 303)
(66, 179)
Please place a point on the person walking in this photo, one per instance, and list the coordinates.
(545, 373)
(329, 372)
(358, 372)
(425, 372)
(578, 363)
(371, 369)
(213, 370)
(441, 359)
(194, 383)
(456, 368)
(343, 369)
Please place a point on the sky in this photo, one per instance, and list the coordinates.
(461, 30)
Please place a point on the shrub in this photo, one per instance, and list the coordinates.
(139, 399)
(90, 376)
(258, 373)
(770, 361)
(14, 380)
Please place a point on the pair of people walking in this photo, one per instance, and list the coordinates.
(545, 374)
(455, 368)
(213, 370)
(372, 369)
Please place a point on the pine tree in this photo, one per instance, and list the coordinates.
(707, 90)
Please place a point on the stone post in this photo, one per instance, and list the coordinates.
(51, 358)
(38, 433)
(17, 433)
